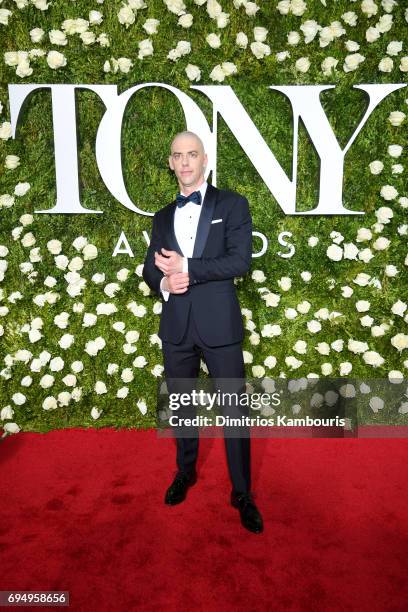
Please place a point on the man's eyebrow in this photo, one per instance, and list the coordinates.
(178, 152)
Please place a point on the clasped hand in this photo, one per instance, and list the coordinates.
(171, 264)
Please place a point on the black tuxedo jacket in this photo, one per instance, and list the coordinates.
(222, 250)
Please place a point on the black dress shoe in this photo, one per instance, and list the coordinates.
(177, 491)
(251, 518)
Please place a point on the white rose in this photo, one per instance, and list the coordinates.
(186, 20)
(352, 61)
(217, 73)
(11, 162)
(57, 37)
(334, 252)
(396, 118)
(386, 65)
(36, 35)
(95, 17)
(260, 50)
(381, 243)
(151, 25)
(373, 358)
(270, 361)
(302, 64)
(55, 59)
(293, 38)
(126, 16)
(328, 64)
(241, 40)
(95, 413)
(11, 428)
(400, 342)
(193, 72)
(404, 64)
(345, 368)
(260, 34)
(213, 40)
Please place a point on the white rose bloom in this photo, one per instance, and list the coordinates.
(391, 271)
(140, 362)
(384, 23)
(260, 34)
(395, 377)
(395, 150)
(292, 362)
(270, 361)
(304, 307)
(397, 168)
(157, 370)
(258, 276)
(351, 45)
(384, 214)
(396, 118)
(95, 413)
(366, 321)
(376, 167)
(260, 50)
(345, 368)
(141, 404)
(271, 299)
(5, 130)
(302, 64)
(381, 243)
(334, 252)
(11, 162)
(213, 40)
(400, 342)
(21, 189)
(66, 341)
(229, 68)
(314, 326)
(213, 8)
(186, 20)
(350, 250)
(90, 252)
(362, 279)
(373, 358)
(241, 40)
(300, 347)
(145, 48)
(365, 255)
(77, 366)
(251, 8)
(217, 73)
(56, 60)
(386, 65)
(362, 306)
(122, 392)
(399, 308)
(193, 72)
(328, 64)
(100, 387)
(350, 18)
(258, 371)
(394, 47)
(126, 16)
(95, 18)
(376, 403)
(282, 55)
(36, 35)
(293, 38)
(88, 38)
(270, 331)
(285, 283)
(151, 25)
(363, 234)
(404, 64)
(290, 313)
(352, 62)
(57, 37)
(369, 7)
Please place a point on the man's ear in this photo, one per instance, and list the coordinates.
(171, 163)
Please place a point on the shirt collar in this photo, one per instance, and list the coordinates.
(202, 189)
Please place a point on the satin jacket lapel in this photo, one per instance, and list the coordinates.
(169, 230)
(204, 222)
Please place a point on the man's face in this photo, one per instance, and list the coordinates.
(188, 161)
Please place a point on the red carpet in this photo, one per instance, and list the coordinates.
(82, 511)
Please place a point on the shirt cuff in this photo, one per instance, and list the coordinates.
(165, 293)
(185, 264)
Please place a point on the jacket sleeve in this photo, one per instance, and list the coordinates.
(238, 246)
(151, 273)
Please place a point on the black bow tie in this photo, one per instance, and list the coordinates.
(193, 197)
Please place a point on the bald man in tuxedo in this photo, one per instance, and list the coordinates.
(200, 242)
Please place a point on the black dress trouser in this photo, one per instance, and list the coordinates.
(223, 362)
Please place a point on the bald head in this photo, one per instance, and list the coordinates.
(186, 135)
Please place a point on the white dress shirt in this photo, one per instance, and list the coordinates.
(185, 227)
